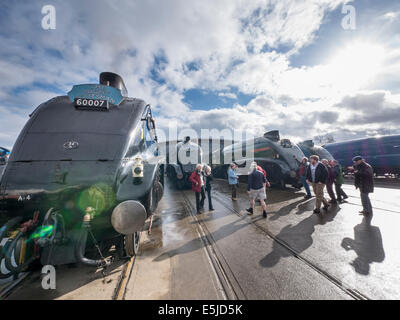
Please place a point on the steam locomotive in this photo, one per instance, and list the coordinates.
(182, 161)
(273, 154)
(309, 148)
(85, 171)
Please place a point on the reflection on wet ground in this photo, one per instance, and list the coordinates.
(172, 264)
(340, 241)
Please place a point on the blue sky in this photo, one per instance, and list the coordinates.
(255, 66)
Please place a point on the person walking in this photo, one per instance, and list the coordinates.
(364, 180)
(256, 189)
(339, 180)
(208, 178)
(267, 185)
(317, 174)
(196, 178)
(303, 166)
(330, 181)
(233, 179)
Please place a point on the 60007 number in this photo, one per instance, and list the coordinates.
(91, 104)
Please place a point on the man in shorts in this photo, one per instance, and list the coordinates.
(256, 189)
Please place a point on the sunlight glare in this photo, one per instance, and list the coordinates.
(355, 65)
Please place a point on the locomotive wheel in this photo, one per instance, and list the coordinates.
(180, 184)
(5, 273)
(159, 191)
(150, 201)
(132, 244)
(225, 173)
(282, 184)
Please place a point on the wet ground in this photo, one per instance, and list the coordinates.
(361, 254)
(292, 254)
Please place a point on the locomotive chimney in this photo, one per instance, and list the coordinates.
(113, 80)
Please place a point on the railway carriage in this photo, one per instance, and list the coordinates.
(382, 153)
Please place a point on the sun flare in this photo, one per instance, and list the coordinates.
(355, 65)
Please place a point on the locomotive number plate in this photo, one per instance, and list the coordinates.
(91, 104)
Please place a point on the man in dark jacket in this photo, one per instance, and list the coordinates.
(339, 180)
(364, 180)
(303, 165)
(317, 174)
(208, 178)
(256, 189)
(197, 181)
(330, 180)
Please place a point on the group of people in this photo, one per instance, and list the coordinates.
(312, 172)
(201, 179)
(328, 173)
(321, 174)
(257, 183)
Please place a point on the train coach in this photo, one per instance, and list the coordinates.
(382, 153)
(84, 172)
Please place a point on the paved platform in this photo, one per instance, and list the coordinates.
(363, 253)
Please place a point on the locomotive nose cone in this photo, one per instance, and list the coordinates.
(128, 217)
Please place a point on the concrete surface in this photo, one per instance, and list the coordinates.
(363, 253)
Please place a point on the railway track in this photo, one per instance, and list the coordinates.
(227, 285)
(118, 292)
(13, 285)
(123, 280)
(353, 293)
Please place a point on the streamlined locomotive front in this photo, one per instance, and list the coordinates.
(86, 160)
(275, 155)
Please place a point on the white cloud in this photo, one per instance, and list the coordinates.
(391, 15)
(210, 45)
(228, 95)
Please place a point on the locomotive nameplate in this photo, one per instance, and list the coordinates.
(91, 104)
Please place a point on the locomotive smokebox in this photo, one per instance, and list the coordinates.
(128, 217)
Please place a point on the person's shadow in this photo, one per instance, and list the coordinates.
(285, 210)
(215, 236)
(367, 244)
(299, 237)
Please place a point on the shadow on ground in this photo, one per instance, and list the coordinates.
(367, 244)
